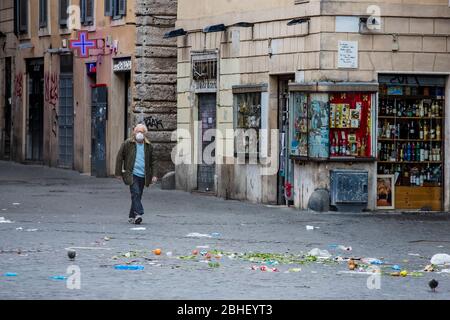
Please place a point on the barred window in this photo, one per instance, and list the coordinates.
(247, 122)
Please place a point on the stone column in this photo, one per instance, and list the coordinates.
(154, 95)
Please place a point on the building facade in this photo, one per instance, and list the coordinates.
(354, 91)
(72, 72)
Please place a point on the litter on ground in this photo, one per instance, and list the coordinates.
(3, 220)
(440, 259)
(198, 235)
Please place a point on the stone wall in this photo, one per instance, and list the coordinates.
(155, 78)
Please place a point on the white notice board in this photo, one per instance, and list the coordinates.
(348, 55)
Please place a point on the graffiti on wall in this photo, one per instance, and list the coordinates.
(18, 85)
(153, 123)
(51, 81)
(51, 88)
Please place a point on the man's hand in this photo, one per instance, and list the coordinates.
(154, 179)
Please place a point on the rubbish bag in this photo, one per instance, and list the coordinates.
(324, 254)
(440, 259)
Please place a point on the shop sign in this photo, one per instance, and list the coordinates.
(348, 55)
(122, 65)
(91, 68)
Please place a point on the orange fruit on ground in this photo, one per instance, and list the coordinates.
(157, 252)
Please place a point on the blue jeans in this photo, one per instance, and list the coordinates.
(136, 189)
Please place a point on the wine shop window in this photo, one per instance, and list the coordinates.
(411, 138)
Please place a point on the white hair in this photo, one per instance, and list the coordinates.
(141, 126)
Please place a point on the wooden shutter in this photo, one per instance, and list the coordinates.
(43, 13)
(89, 11)
(122, 7)
(82, 11)
(16, 17)
(109, 8)
(23, 16)
(63, 15)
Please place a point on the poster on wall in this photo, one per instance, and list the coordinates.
(386, 191)
(299, 135)
(319, 133)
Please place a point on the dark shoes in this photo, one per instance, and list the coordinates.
(136, 220)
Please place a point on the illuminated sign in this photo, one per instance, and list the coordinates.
(91, 68)
(83, 44)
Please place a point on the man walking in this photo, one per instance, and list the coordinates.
(135, 164)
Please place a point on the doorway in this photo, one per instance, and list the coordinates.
(285, 172)
(7, 111)
(207, 117)
(66, 117)
(35, 119)
(127, 105)
(98, 128)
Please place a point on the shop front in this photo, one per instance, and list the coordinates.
(411, 136)
(393, 130)
(332, 127)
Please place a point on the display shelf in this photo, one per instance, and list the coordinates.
(410, 162)
(409, 118)
(398, 97)
(406, 140)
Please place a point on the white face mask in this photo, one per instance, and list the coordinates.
(140, 137)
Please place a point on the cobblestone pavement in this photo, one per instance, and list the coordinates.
(73, 210)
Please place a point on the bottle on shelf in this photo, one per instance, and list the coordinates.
(400, 109)
(417, 152)
(432, 133)
(438, 132)
(420, 130)
(426, 153)
(422, 152)
(425, 131)
(383, 108)
(333, 148)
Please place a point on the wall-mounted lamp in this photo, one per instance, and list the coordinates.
(175, 33)
(215, 28)
(298, 21)
(243, 25)
(395, 44)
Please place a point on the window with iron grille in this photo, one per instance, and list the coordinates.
(115, 9)
(21, 16)
(87, 12)
(43, 13)
(247, 122)
(204, 73)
